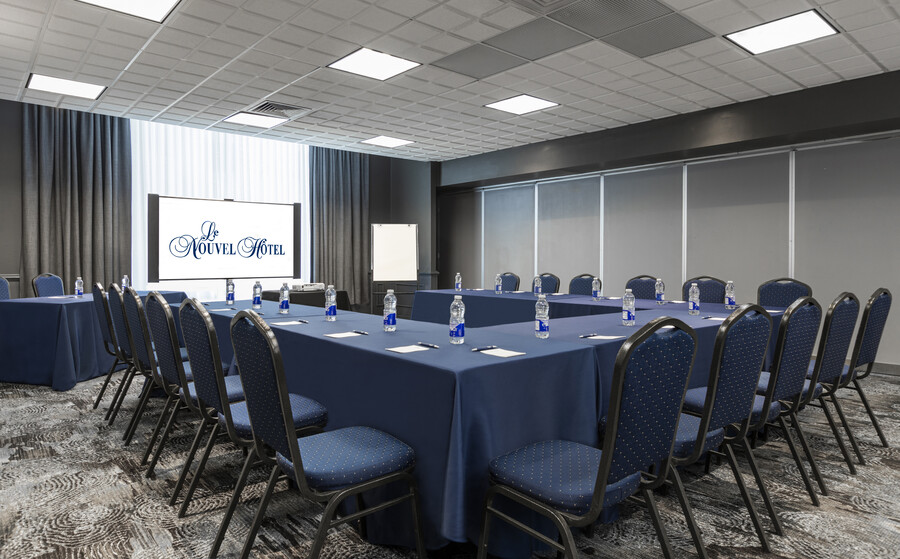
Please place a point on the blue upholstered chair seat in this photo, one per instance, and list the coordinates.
(348, 456)
(561, 474)
(306, 411)
(844, 374)
(695, 399)
(233, 389)
(763, 385)
(686, 437)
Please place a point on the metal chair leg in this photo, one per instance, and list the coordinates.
(745, 494)
(163, 416)
(232, 504)
(120, 396)
(657, 523)
(751, 459)
(865, 401)
(196, 481)
(179, 405)
(850, 435)
(837, 436)
(322, 531)
(688, 513)
(109, 375)
(800, 467)
(260, 512)
(138, 412)
(486, 518)
(809, 454)
(187, 462)
(417, 520)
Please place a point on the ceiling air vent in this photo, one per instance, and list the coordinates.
(279, 109)
(544, 6)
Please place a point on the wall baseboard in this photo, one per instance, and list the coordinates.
(887, 369)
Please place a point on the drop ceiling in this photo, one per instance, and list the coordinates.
(212, 58)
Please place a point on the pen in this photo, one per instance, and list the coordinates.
(587, 335)
(485, 348)
(301, 321)
(360, 332)
(423, 344)
(708, 316)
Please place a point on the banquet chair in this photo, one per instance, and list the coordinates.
(642, 287)
(101, 307)
(868, 339)
(326, 467)
(718, 415)
(781, 292)
(47, 285)
(123, 341)
(826, 371)
(4, 289)
(712, 290)
(510, 281)
(582, 285)
(786, 385)
(549, 283)
(649, 380)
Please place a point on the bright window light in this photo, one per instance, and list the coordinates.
(522, 104)
(260, 121)
(64, 87)
(373, 64)
(386, 141)
(784, 32)
(154, 10)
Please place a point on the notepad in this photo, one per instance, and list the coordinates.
(342, 335)
(613, 298)
(601, 337)
(519, 292)
(676, 301)
(225, 309)
(289, 322)
(500, 352)
(716, 318)
(407, 348)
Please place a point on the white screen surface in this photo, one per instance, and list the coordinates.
(211, 239)
(395, 252)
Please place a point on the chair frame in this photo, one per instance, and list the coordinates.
(6, 281)
(127, 379)
(513, 274)
(640, 277)
(579, 276)
(686, 286)
(564, 521)
(34, 286)
(779, 280)
(330, 498)
(543, 275)
(111, 346)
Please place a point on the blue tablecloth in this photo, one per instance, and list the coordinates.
(54, 341)
(456, 408)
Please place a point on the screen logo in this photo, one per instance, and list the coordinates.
(209, 244)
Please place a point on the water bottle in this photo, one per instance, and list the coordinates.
(229, 292)
(257, 296)
(330, 304)
(79, 287)
(537, 285)
(457, 320)
(390, 311)
(125, 282)
(498, 284)
(694, 300)
(730, 302)
(284, 301)
(542, 318)
(595, 289)
(457, 283)
(660, 292)
(628, 308)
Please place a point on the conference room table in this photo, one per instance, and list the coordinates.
(55, 341)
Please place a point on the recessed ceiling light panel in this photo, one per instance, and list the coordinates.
(373, 64)
(154, 10)
(64, 87)
(522, 104)
(386, 141)
(785, 32)
(260, 121)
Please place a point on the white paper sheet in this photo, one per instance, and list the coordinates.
(601, 337)
(288, 322)
(500, 352)
(407, 348)
(342, 335)
(717, 318)
(225, 309)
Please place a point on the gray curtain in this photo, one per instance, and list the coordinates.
(76, 196)
(339, 188)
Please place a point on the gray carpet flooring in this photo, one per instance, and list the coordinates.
(70, 489)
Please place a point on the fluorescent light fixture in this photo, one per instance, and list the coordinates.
(260, 121)
(64, 87)
(522, 104)
(386, 141)
(373, 64)
(791, 30)
(154, 10)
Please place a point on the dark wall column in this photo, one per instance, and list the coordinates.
(11, 194)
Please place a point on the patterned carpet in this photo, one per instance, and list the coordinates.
(69, 489)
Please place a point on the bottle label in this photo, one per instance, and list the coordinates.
(693, 305)
(537, 289)
(79, 291)
(627, 315)
(729, 301)
(459, 331)
(498, 288)
(229, 296)
(458, 285)
(595, 294)
(284, 304)
(541, 325)
(257, 300)
(331, 310)
(659, 296)
(390, 319)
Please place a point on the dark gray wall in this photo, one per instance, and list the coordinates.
(10, 191)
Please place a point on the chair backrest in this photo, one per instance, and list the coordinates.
(206, 362)
(4, 289)
(872, 327)
(582, 285)
(510, 281)
(47, 285)
(837, 333)
(712, 290)
(258, 357)
(549, 283)
(642, 287)
(137, 325)
(101, 309)
(797, 334)
(120, 321)
(781, 292)
(649, 381)
(167, 352)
